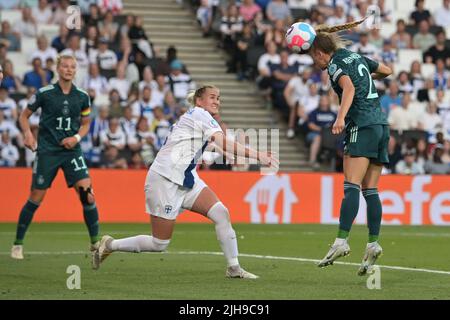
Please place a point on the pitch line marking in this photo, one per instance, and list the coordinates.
(246, 255)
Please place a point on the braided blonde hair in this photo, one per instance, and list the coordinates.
(327, 39)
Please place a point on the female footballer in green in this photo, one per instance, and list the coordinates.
(366, 136)
(64, 121)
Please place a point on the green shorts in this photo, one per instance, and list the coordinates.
(46, 167)
(370, 142)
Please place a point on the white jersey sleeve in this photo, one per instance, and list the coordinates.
(177, 158)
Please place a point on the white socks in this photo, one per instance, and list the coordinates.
(339, 241)
(225, 233)
(139, 243)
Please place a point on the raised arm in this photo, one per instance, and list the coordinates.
(382, 72)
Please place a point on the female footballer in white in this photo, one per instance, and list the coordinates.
(172, 183)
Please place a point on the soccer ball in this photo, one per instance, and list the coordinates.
(300, 37)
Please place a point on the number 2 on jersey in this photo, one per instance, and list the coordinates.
(60, 124)
(371, 95)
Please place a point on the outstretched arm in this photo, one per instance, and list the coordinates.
(29, 139)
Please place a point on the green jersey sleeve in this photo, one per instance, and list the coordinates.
(35, 101)
(337, 69)
(373, 65)
(86, 104)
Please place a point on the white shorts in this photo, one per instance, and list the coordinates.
(166, 199)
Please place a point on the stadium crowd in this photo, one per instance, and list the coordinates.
(416, 102)
(137, 93)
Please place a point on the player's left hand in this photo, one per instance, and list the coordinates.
(69, 142)
(338, 126)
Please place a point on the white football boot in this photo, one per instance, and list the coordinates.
(373, 252)
(238, 272)
(102, 252)
(93, 248)
(336, 251)
(17, 252)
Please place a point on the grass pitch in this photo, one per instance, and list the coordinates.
(193, 269)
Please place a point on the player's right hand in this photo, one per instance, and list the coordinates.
(30, 142)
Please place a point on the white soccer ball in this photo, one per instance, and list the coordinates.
(300, 36)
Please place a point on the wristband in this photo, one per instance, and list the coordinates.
(78, 137)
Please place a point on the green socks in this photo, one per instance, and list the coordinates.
(374, 211)
(90, 215)
(26, 215)
(349, 208)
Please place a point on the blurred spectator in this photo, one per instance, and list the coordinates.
(85, 5)
(204, 17)
(113, 136)
(94, 16)
(43, 50)
(442, 104)
(139, 38)
(9, 154)
(10, 81)
(420, 14)
(89, 43)
(282, 73)
(277, 35)
(111, 159)
(422, 152)
(435, 165)
(230, 26)
(116, 104)
(391, 98)
(148, 80)
(43, 12)
(106, 58)
(27, 26)
(146, 139)
(401, 39)
(442, 15)
(244, 42)
(269, 58)
(409, 165)
(386, 14)
(115, 6)
(145, 105)
(319, 119)
(8, 126)
(432, 122)
(164, 66)
(60, 15)
(179, 83)
(424, 39)
(278, 10)
(365, 48)
(404, 84)
(441, 79)
(388, 55)
(338, 17)
(125, 28)
(60, 42)
(402, 118)
(416, 78)
(248, 10)
(446, 154)
(120, 82)
(376, 39)
(94, 80)
(438, 51)
(160, 126)
(324, 7)
(307, 104)
(137, 162)
(3, 53)
(98, 125)
(128, 123)
(296, 89)
(9, 38)
(107, 27)
(74, 49)
(7, 105)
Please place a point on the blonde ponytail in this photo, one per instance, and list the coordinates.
(190, 98)
(346, 26)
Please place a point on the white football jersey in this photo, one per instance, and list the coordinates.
(185, 144)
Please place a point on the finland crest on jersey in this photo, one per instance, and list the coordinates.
(185, 144)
